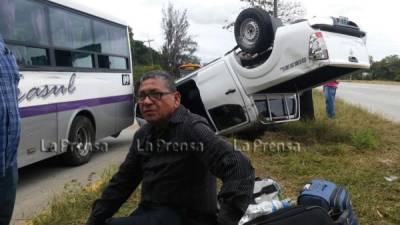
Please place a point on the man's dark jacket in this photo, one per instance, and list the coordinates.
(177, 167)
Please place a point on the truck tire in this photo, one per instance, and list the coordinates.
(253, 30)
(81, 139)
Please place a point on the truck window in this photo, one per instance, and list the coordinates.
(226, 116)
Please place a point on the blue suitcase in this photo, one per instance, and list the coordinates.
(335, 200)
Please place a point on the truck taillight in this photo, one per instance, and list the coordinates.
(317, 47)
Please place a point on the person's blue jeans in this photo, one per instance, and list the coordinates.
(8, 190)
(330, 93)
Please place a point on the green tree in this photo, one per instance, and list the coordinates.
(139, 70)
(144, 55)
(386, 69)
(287, 11)
(141, 54)
(142, 59)
(179, 47)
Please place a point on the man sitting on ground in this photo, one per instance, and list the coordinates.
(176, 157)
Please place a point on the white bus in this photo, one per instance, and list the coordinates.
(75, 77)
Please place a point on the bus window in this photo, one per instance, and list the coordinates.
(82, 60)
(23, 20)
(63, 58)
(111, 39)
(104, 62)
(74, 59)
(70, 30)
(28, 56)
(118, 63)
(112, 62)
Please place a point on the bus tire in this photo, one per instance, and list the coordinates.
(81, 139)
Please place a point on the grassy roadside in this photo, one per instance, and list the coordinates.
(357, 149)
(372, 82)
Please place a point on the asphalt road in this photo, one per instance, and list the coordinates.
(378, 98)
(40, 182)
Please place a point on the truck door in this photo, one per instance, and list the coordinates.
(222, 99)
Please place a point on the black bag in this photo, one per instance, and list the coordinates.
(297, 215)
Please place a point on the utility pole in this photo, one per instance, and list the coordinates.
(276, 8)
(151, 52)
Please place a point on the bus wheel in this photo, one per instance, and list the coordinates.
(81, 142)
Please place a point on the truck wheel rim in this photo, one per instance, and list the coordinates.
(250, 31)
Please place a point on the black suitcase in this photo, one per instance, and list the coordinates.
(297, 215)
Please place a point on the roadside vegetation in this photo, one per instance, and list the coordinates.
(357, 150)
(387, 69)
(385, 82)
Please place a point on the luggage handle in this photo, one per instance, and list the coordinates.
(343, 219)
(266, 190)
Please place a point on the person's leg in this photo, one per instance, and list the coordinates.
(200, 220)
(333, 102)
(149, 216)
(194, 217)
(137, 217)
(8, 190)
(327, 100)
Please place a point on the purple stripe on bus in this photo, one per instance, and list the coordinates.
(65, 106)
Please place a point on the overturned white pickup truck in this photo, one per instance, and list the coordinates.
(260, 80)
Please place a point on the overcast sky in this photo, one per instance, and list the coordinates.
(378, 18)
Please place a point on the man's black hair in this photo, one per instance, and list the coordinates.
(163, 75)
